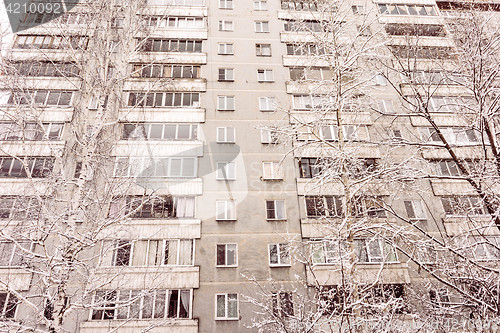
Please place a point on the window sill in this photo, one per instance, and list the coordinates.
(225, 319)
(265, 81)
(226, 142)
(280, 266)
(271, 179)
(226, 220)
(230, 110)
(226, 266)
(225, 80)
(276, 220)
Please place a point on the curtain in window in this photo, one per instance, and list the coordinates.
(184, 207)
(139, 258)
(185, 300)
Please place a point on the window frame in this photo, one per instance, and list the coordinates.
(274, 209)
(267, 104)
(227, 101)
(275, 174)
(226, 171)
(229, 210)
(226, 307)
(225, 47)
(262, 48)
(265, 75)
(279, 256)
(226, 4)
(225, 75)
(257, 5)
(217, 264)
(261, 26)
(226, 25)
(225, 138)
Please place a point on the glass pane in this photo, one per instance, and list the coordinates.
(231, 254)
(156, 131)
(221, 306)
(232, 306)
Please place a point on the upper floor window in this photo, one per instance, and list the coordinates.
(309, 102)
(275, 210)
(141, 304)
(181, 22)
(462, 205)
(434, 77)
(152, 252)
(415, 210)
(349, 132)
(323, 205)
(226, 74)
(8, 305)
(225, 210)
(169, 45)
(268, 135)
(174, 167)
(11, 131)
(226, 49)
(453, 135)
(170, 71)
(21, 167)
(305, 25)
(279, 255)
(42, 97)
(267, 103)
(312, 73)
(152, 207)
(446, 168)
(50, 42)
(226, 307)
(43, 68)
(226, 4)
(19, 207)
(14, 254)
(225, 25)
(400, 9)
(261, 26)
(260, 5)
(299, 5)
(226, 171)
(226, 134)
(304, 49)
(482, 248)
(367, 250)
(429, 30)
(265, 75)
(422, 52)
(159, 131)
(263, 50)
(164, 99)
(176, 2)
(271, 171)
(368, 206)
(359, 9)
(282, 304)
(225, 103)
(227, 255)
(310, 167)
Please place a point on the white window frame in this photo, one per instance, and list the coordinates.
(133, 166)
(278, 254)
(267, 104)
(275, 171)
(385, 106)
(261, 26)
(226, 4)
(379, 80)
(226, 171)
(226, 254)
(226, 25)
(415, 207)
(228, 74)
(265, 75)
(226, 103)
(260, 5)
(269, 136)
(225, 210)
(225, 49)
(226, 307)
(263, 50)
(226, 135)
(277, 203)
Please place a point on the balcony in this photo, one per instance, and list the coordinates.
(130, 326)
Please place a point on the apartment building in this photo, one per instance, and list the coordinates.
(230, 166)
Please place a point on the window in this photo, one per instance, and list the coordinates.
(368, 206)
(260, 5)
(312, 73)
(323, 205)
(385, 106)
(439, 297)
(415, 210)
(269, 136)
(275, 210)
(263, 50)
(22, 167)
(173, 167)
(226, 49)
(271, 171)
(265, 75)
(53, 69)
(176, 22)
(374, 251)
(14, 254)
(305, 26)
(226, 4)
(446, 168)
(42, 97)
(379, 80)
(282, 304)
(299, 5)
(350, 132)
(226, 25)
(170, 71)
(226, 171)
(310, 167)
(482, 248)
(227, 255)
(226, 134)
(225, 210)
(225, 103)
(453, 135)
(30, 131)
(152, 207)
(159, 131)
(261, 26)
(141, 304)
(267, 103)
(170, 252)
(429, 30)
(226, 74)
(399, 9)
(463, 206)
(19, 207)
(358, 9)
(279, 255)
(50, 42)
(304, 49)
(364, 30)
(164, 99)
(8, 305)
(169, 45)
(422, 52)
(310, 102)
(226, 307)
